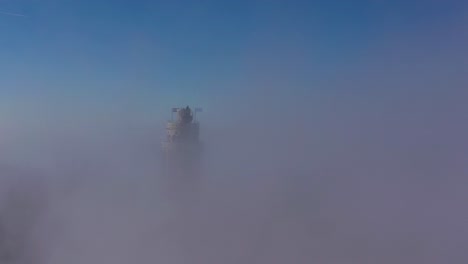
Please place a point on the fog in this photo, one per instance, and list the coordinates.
(351, 188)
(372, 174)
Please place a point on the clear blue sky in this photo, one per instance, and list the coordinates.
(150, 55)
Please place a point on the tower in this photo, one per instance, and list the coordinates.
(181, 147)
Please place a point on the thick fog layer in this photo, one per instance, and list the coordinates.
(330, 186)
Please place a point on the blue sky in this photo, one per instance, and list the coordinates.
(150, 55)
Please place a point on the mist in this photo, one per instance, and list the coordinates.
(277, 186)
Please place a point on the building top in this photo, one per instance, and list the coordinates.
(184, 115)
(185, 128)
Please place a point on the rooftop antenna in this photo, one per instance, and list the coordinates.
(197, 109)
(174, 110)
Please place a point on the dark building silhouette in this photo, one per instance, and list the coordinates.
(182, 146)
